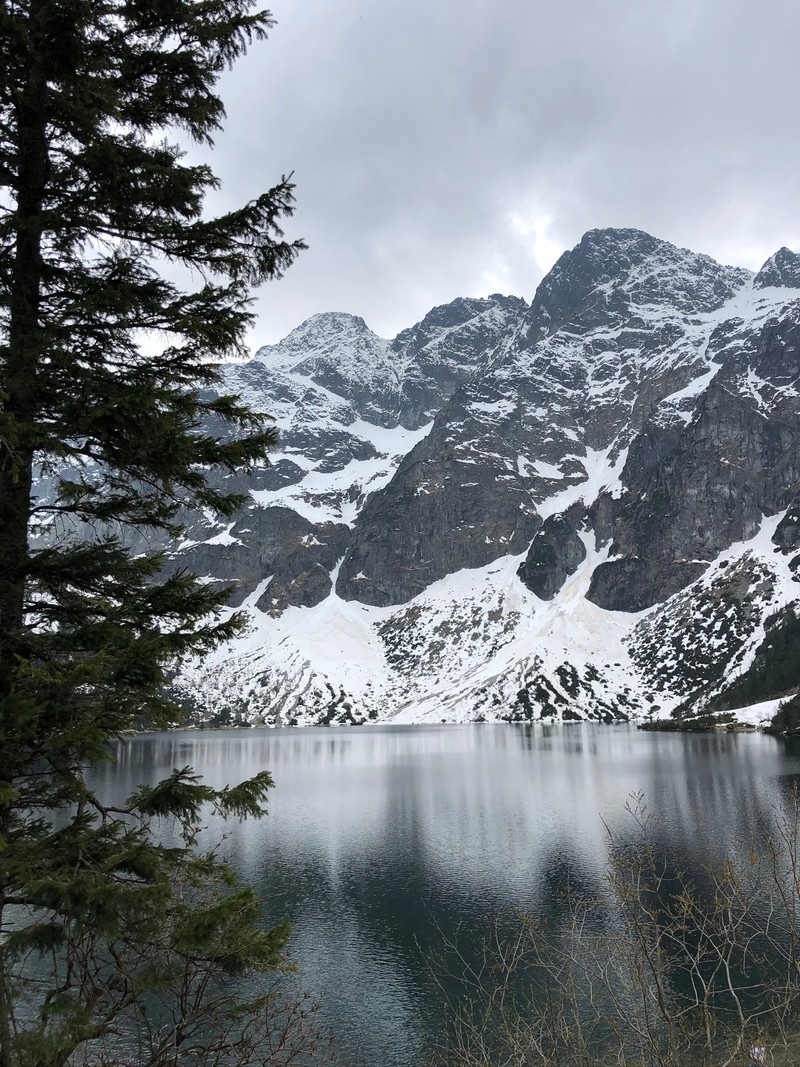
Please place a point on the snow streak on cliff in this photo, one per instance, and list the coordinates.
(588, 507)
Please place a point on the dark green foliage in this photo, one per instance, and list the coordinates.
(692, 647)
(787, 719)
(568, 677)
(775, 670)
(104, 931)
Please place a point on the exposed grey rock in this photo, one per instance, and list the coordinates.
(403, 382)
(446, 348)
(782, 269)
(610, 334)
(691, 495)
(624, 435)
(585, 283)
(340, 354)
(441, 512)
(556, 552)
(274, 543)
(787, 535)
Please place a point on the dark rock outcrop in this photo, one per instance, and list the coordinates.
(782, 269)
(440, 513)
(275, 543)
(446, 348)
(610, 335)
(643, 409)
(691, 494)
(556, 552)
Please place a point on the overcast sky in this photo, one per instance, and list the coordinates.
(446, 148)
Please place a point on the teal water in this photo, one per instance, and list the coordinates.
(382, 839)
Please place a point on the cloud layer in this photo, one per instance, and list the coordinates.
(445, 148)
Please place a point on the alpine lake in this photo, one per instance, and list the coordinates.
(382, 841)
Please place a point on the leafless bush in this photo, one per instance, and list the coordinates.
(659, 967)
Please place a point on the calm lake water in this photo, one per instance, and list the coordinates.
(379, 839)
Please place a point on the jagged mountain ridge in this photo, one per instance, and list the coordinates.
(504, 512)
(349, 405)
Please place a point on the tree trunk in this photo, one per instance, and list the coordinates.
(24, 352)
(22, 359)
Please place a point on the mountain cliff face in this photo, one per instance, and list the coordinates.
(588, 506)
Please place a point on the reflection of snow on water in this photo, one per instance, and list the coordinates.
(379, 840)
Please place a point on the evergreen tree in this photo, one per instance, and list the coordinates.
(99, 923)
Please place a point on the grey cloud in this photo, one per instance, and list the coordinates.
(418, 131)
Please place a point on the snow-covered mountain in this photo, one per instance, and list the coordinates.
(588, 507)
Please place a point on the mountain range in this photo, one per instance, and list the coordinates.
(585, 507)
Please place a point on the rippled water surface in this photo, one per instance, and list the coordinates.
(380, 839)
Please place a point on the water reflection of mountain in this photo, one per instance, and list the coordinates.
(483, 804)
(379, 840)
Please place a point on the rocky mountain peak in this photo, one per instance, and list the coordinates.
(622, 269)
(582, 508)
(331, 337)
(339, 353)
(781, 270)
